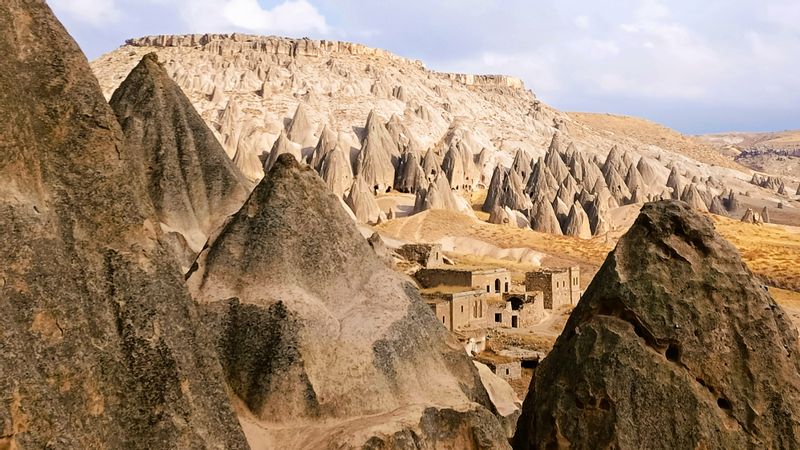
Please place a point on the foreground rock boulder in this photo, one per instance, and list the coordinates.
(324, 346)
(675, 344)
(99, 339)
(191, 182)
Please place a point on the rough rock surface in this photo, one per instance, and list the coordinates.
(341, 83)
(361, 201)
(335, 170)
(99, 340)
(577, 223)
(191, 182)
(323, 345)
(675, 344)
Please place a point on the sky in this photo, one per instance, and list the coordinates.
(696, 66)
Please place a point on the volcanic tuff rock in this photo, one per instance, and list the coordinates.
(543, 218)
(335, 170)
(577, 223)
(362, 202)
(341, 83)
(281, 146)
(191, 182)
(324, 345)
(100, 345)
(675, 344)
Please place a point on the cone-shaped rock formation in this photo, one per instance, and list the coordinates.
(290, 323)
(101, 346)
(675, 344)
(361, 201)
(191, 182)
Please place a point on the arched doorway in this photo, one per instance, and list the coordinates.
(497, 285)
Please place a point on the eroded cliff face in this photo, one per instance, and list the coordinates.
(675, 344)
(247, 88)
(322, 344)
(99, 343)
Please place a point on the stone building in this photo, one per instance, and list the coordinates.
(458, 310)
(426, 255)
(516, 310)
(560, 286)
(503, 366)
(491, 281)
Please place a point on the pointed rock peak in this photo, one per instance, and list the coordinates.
(751, 216)
(495, 191)
(665, 309)
(196, 186)
(765, 215)
(410, 176)
(328, 139)
(301, 129)
(100, 347)
(314, 299)
(439, 195)
(577, 223)
(336, 171)
(634, 179)
(361, 201)
(693, 198)
(647, 169)
(281, 146)
(373, 121)
(394, 121)
(430, 164)
(543, 218)
(556, 144)
(717, 206)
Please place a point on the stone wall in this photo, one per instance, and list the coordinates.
(441, 309)
(459, 311)
(575, 284)
(487, 280)
(430, 278)
(426, 255)
(555, 284)
(509, 371)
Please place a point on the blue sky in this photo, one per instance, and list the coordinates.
(716, 65)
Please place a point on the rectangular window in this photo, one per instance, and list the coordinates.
(498, 317)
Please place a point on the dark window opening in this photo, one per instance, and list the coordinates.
(514, 322)
(498, 317)
(497, 285)
(506, 286)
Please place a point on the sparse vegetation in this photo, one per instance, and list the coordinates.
(771, 251)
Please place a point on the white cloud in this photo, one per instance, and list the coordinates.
(93, 12)
(583, 21)
(290, 17)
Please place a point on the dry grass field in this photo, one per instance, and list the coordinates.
(771, 251)
(651, 133)
(430, 226)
